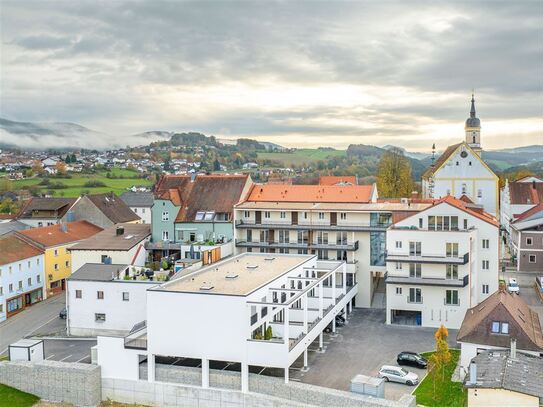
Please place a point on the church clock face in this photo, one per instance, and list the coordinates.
(464, 154)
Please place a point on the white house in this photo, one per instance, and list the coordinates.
(105, 299)
(461, 170)
(222, 312)
(120, 244)
(440, 262)
(140, 203)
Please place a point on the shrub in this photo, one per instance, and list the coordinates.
(269, 333)
(94, 184)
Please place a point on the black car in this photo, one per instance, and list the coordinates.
(412, 359)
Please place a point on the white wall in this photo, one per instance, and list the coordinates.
(143, 212)
(115, 361)
(82, 257)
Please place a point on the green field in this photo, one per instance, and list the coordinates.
(10, 397)
(76, 183)
(302, 155)
(447, 392)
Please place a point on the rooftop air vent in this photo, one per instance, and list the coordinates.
(252, 266)
(206, 287)
(231, 276)
(269, 258)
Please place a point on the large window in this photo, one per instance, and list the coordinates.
(415, 270)
(452, 271)
(415, 248)
(341, 238)
(443, 222)
(283, 236)
(303, 236)
(499, 327)
(451, 249)
(451, 297)
(415, 295)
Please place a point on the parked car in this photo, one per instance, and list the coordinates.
(63, 313)
(399, 375)
(513, 287)
(412, 359)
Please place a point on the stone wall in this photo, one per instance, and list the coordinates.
(74, 383)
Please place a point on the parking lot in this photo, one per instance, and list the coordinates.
(528, 292)
(68, 350)
(362, 347)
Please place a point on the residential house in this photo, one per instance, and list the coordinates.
(140, 203)
(21, 275)
(493, 323)
(517, 197)
(192, 209)
(105, 299)
(526, 240)
(38, 212)
(120, 244)
(104, 210)
(55, 241)
(505, 378)
(461, 170)
(440, 262)
(334, 222)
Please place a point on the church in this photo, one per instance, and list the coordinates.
(461, 171)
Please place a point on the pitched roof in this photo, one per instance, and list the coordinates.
(139, 199)
(108, 239)
(335, 180)
(530, 212)
(15, 249)
(14, 225)
(98, 272)
(476, 326)
(441, 160)
(56, 235)
(113, 207)
(496, 369)
(525, 193)
(311, 193)
(61, 205)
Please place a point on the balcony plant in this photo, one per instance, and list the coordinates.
(268, 334)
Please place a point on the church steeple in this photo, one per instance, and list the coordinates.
(473, 128)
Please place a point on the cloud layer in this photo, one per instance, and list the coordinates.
(296, 73)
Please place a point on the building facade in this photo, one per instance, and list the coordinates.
(440, 262)
(39, 212)
(140, 203)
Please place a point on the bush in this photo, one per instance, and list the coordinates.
(94, 184)
(269, 333)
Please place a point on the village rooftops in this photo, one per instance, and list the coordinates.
(239, 275)
(113, 207)
(138, 199)
(16, 249)
(60, 234)
(123, 236)
(336, 206)
(312, 193)
(47, 207)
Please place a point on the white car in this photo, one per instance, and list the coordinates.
(513, 287)
(398, 374)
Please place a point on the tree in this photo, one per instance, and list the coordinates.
(216, 165)
(441, 356)
(5, 185)
(37, 167)
(394, 175)
(60, 167)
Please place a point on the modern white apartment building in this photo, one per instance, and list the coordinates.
(253, 309)
(105, 299)
(336, 222)
(441, 262)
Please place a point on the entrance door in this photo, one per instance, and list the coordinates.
(333, 218)
(63, 284)
(258, 217)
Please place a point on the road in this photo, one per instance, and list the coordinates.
(528, 293)
(40, 319)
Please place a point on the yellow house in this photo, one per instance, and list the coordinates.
(54, 241)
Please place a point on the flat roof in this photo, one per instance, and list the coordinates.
(239, 275)
(98, 272)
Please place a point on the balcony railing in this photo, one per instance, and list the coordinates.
(298, 245)
(443, 282)
(316, 225)
(426, 258)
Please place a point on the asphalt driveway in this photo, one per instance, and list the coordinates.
(362, 347)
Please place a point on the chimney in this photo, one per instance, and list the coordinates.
(473, 373)
(513, 348)
(414, 195)
(534, 184)
(120, 231)
(63, 227)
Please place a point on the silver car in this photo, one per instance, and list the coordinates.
(399, 375)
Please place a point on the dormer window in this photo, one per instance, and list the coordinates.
(499, 327)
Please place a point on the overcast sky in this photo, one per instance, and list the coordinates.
(295, 73)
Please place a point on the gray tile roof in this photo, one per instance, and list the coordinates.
(138, 199)
(11, 226)
(497, 370)
(98, 272)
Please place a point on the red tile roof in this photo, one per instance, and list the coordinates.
(464, 206)
(528, 213)
(16, 249)
(335, 180)
(50, 236)
(526, 193)
(311, 193)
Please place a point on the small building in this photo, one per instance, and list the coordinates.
(103, 210)
(55, 241)
(505, 378)
(21, 275)
(526, 240)
(120, 244)
(494, 323)
(140, 203)
(40, 212)
(105, 299)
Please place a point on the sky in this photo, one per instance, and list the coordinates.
(300, 74)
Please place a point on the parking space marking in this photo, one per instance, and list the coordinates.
(67, 357)
(49, 357)
(262, 370)
(82, 359)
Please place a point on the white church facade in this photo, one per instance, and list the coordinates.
(461, 171)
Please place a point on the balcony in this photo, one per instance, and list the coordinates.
(299, 245)
(317, 225)
(426, 258)
(440, 282)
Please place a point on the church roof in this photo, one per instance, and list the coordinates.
(473, 120)
(440, 161)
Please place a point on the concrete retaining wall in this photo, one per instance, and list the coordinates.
(75, 383)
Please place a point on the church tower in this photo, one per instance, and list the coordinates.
(473, 129)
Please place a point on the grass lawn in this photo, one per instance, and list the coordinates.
(448, 393)
(10, 397)
(302, 155)
(76, 184)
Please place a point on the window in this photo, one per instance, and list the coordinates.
(479, 193)
(486, 264)
(78, 294)
(500, 327)
(126, 296)
(451, 249)
(249, 235)
(399, 290)
(56, 266)
(529, 241)
(11, 287)
(464, 188)
(283, 215)
(142, 210)
(532, 258)
(1, 291)
(415, 270)
(442, 223)
(20, 267)
(28, 264)
(457, 163)
(284, 236)
(451, 297)
(415, 295)
(322, 237)
(341, 238)
(420, 223)
(67, 263)
(415, 248)
(398, 244)
(398, 265)
(20, 284)
(56, 252)
(165, 216)
(452, 272)
(465, 223)
(343, 215)
(246, 214)
(38, 278)
(469, 163)
(135, 210)
(38, 261)
(305, 215)
(505, 328)
(485, 288)
(321, 215)
(100, 317)
(100, 295)
(486, 243)
(29, 281)
(267, 214)
(165, 235)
